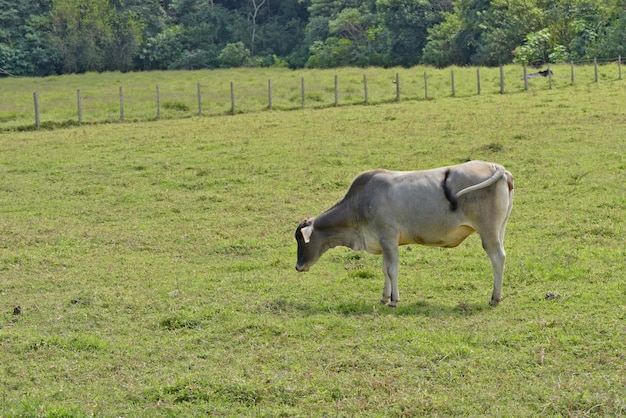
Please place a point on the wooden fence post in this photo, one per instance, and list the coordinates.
(478, 79)
(232, 98)
(595, 69)
(452, 81)
(501, 80)
(549, 77)
(80, 107)
(302, 86)
(525, 77)
(397, 87)
(336, 91)
(158, 102)
(121, 105)
(199, 100)
(365, 89)
(572, 66)
(36, 100)
(425, 86)
(269, 93)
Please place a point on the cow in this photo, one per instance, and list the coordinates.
(383, 210)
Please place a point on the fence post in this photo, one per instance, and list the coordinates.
(232, 98)
(269, 92)
(36, 100)
(199, 100)
(302, 85)
(365, 89)
(572, 66)
(525, 77)
(425, 86)
(397, 87)
(595, 69)
(80, 107)
(478, 79)
(549, 77)
(336, 91)
(501, 80)
(452, 80)
(121, 105)
(158, 102)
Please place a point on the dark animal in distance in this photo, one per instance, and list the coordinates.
(440, 207)
(544, 73)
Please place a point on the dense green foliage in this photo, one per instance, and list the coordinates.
(154, 265)
(46, 37)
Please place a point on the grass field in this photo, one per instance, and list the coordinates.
(154, 264)
(178, 91)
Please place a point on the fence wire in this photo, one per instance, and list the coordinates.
(114, 97)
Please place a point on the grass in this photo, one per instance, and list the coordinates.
(178, 91)
(154, 266)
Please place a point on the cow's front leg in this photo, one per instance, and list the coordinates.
(390, 271)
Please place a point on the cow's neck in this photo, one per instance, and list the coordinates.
(339, 228)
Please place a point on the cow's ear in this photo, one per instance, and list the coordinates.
(306, 233)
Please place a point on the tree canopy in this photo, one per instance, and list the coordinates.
(44, 37)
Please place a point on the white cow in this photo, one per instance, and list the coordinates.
(439, 207)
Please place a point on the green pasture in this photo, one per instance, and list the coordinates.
(180, 91)
(153, 262)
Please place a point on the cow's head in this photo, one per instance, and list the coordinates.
(309, 248)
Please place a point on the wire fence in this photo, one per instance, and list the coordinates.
(169, 95)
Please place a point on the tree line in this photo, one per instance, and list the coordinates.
(46, 37)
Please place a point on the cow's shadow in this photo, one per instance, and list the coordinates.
(360, 308)
(418, 308)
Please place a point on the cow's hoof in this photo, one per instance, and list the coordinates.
(393, 304)
(494, 302)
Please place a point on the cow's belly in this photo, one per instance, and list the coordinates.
(449, 239)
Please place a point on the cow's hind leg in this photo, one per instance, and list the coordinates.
(391, 294)
(493, 240)
(386, 289)
(494, 247)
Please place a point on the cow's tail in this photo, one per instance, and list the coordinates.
(500, 171)
(497, 175)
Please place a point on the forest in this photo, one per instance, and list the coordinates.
(50, 37)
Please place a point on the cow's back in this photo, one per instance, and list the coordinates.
(414, 206)
(409, 199)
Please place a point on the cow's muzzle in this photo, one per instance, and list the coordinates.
(302, 268)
